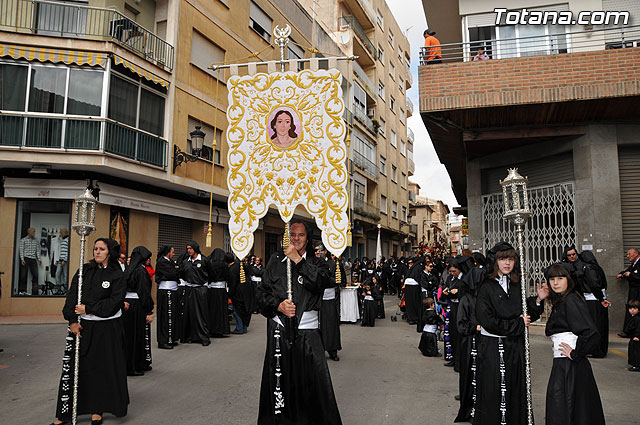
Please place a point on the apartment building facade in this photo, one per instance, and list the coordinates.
(111, 94)
(559, 102)
(381, 148)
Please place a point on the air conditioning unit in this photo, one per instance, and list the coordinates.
(370, 113)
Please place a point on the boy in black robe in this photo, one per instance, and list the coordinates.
(167, 277)
(632, 328)
(296, 385)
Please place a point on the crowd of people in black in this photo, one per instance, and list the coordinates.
(470, 302)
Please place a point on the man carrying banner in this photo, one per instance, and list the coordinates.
(296, 384)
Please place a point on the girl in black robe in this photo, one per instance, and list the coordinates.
(632, 329)
(102, 378)
(138, 312)
(427, 326)
(217, 296)
(572, 393)
(500, 361)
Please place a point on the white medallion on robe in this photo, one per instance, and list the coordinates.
(286, 148)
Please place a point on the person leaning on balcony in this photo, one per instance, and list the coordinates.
(433, 52)
(480, 55)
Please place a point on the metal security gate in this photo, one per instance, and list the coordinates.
(628, 160)
(551, 228)
(174, 231)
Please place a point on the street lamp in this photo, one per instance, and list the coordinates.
(84, 219)
(197, 141)
(516, 209)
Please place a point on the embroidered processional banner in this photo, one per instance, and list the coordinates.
(286, 148)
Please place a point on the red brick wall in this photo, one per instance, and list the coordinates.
(536, 79)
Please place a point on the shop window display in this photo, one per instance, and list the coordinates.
(42, 250)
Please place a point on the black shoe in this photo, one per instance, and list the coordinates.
(175, 343)
(335, 358)
(237, 332)
(135, 373)
(147, 368)
(634, 369)
(206, 343)
(165, 346)
(623, 335)
(457, 397)
(450, 363)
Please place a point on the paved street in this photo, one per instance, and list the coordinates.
(381, 379)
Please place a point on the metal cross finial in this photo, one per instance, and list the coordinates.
(281, 36)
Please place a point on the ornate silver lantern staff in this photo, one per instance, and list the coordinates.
(516, 209)
(84, 218)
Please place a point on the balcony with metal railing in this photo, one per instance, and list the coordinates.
(73, 20)
(409, 107)
(73, 134)
(610, 38)
(363, 163)
(363, 48)
(363, 11)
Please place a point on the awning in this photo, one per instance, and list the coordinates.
(128, 198)
(140, 71)
(43, 188)
(47, 54)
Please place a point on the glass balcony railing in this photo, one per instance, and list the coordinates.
(364, 79)
(367, 122)
(79, 21)
(360, 206)
(410, 135)
(82, 134)
(366, 165)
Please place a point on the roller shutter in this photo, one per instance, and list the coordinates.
(541, 172)
(174, 231)
(629, 163)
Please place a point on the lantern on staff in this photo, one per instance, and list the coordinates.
(516, 199)
(84, 214)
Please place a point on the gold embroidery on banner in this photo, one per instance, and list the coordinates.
(309, 171)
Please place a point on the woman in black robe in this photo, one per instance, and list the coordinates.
(572, 393)
(218, 297)
(138, 312)
(370, 295)
(102, 377)
(500, 361)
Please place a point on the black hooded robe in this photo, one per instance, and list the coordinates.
(428, 344)
(102, 355)
(303, 393)
(499, 314)
(167, 275)
(217, 296)
(330, 312)
(242, 294)
(141, 304)
(572, 393)
(413, 291)
(196, 273)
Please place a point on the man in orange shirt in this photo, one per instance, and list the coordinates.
(433, 52)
